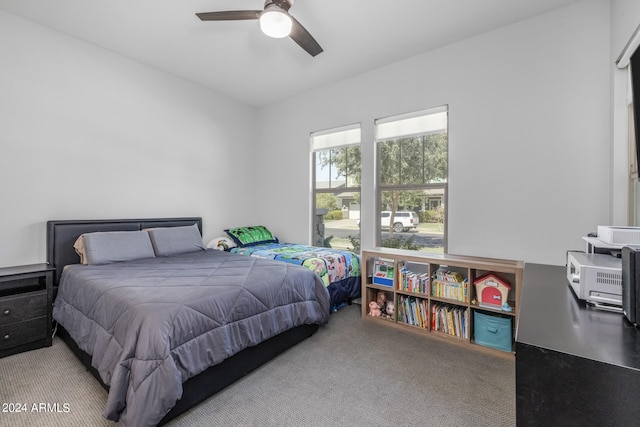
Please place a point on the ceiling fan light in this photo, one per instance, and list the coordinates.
(275, 23)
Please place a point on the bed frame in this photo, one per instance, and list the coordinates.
(60, 252)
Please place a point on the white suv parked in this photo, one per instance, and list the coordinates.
(402, 221)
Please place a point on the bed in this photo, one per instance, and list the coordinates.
(338, 269)
(162, 333)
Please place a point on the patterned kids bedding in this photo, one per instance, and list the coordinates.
(338, 269)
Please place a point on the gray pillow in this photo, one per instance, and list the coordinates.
(176, 240)
(114, 246)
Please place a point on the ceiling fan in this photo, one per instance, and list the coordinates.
(275, 21)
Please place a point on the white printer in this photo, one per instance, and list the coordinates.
(596, 278)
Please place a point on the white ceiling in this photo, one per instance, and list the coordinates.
(236, 59)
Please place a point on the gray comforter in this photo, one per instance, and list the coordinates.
(152, 324)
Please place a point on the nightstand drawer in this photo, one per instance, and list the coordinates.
(22, 307)
(25, 332)
(25, 308)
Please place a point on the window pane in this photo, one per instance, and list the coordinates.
(418, 222)
(353, 166)
(390, 162)
(337, 220)
(411, 164)
(337, 168)
(331, 168)
(435, 155)
(322, 169)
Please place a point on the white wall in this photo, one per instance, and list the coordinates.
(87, 134)
(529, 139)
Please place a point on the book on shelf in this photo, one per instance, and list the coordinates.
(412, 282)
(450, 319)
(413, 311)
(450, 285)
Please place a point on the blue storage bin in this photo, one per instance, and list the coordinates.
(492, 331)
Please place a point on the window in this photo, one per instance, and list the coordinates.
(412, 170)
(634, 187)
(630, 59)
(336, 188)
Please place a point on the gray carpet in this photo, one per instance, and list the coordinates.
(350, 373)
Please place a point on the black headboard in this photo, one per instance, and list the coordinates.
(61, 235)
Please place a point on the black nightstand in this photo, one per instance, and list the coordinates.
(25, 308)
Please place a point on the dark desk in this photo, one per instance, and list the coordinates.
(575, 365)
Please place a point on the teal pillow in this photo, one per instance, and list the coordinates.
(248, 236)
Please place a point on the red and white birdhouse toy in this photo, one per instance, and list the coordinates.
(492, 292)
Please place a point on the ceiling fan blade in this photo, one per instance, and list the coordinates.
(300, 35)
(230, 15)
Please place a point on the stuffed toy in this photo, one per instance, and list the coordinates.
(389, 309)
(221, 244)
(374, 309)
(381, 299)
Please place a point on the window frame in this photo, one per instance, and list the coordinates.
(347, 142)
(380, 187)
